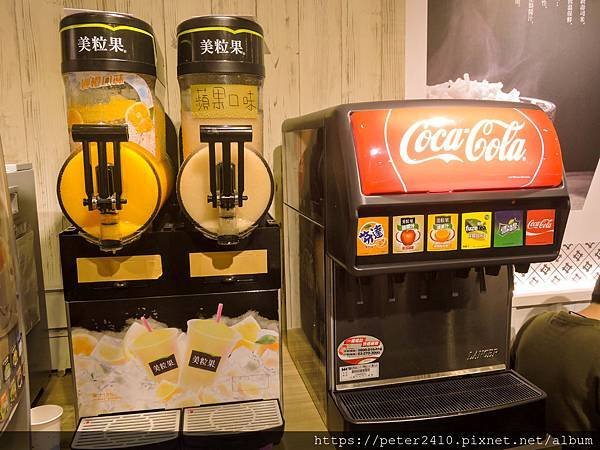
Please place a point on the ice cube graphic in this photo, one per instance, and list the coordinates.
(242, 361)
(270, 360)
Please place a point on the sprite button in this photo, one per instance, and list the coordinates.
(508, 228)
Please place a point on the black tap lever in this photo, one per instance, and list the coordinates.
(223, 191)
(108, 176)
(481, 278)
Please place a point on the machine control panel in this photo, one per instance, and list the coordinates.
(450, 231)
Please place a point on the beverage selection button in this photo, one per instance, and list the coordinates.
(408, 233)
(508, 228)
(476, 230)
(540, 227)
(442, 232)
(372, 236)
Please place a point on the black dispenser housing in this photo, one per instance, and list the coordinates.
(388, 335)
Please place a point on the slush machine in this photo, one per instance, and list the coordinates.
(173, 312)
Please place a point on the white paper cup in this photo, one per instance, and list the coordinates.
(45, 425)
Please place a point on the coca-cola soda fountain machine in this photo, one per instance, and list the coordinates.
(404, 223)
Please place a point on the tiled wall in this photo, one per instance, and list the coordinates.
(577, 265)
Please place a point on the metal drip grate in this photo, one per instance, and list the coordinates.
(436, 398)
(135, 430)
(232, 418)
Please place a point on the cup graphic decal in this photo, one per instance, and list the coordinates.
(156, 350)
(209, 344)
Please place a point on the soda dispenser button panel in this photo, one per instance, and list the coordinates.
(508, 228)
(419, 234)
(455, 235)
(442, 232)
(540, 227)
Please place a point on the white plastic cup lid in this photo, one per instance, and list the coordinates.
(41, 415)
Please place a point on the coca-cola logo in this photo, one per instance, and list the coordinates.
(540, 227)
(547, 224)
(489, 139)
(446, 146)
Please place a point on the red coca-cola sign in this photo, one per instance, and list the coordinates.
(449, 148)
(540, 227)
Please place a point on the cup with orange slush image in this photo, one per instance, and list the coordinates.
(209, 343)
(442, 234)
(157, 350)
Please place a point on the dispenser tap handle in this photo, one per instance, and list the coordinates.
(222, 189)
(108, 177)
(481, 276)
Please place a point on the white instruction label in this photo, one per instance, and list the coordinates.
(359, 372)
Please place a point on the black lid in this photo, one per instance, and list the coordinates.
(220, 44)
(106, 41)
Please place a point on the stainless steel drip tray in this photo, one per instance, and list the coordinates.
(252, 424)
(140, 430)
(436, 399)
(231, 418)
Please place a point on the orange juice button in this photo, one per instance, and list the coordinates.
(372, 236)
(442, 232)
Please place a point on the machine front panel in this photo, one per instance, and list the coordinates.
(412, 326)
(119, 365)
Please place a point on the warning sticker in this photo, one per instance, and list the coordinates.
(361, 372)
(361, 349)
